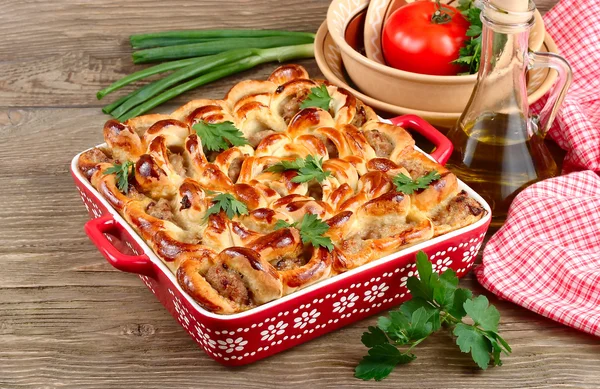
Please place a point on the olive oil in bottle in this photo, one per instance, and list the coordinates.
(496, 158)
(498, 149)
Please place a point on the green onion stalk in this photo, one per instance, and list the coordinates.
(163, 67)
(215, 47)
(202, 65)
(212, 71)
(170, 38)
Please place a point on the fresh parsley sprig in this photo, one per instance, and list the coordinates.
(436, 301)
(470, 53)
(318, 97)
(407, 185)
(311, 230)
(122, 171)
(218, 136)
(308, 169)
(228, 203)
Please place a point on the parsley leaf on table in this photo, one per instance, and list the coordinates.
(381, 361)
(122, 171)
(308, 169)
(215, 136)
(228, 203)
(407, 185)
(436, 303)
(318, 97)
(374, 337)
(311, 230)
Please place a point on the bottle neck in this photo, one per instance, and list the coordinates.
(501, 81)
(503, 47)
(501, 88)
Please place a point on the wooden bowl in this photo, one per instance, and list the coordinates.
(442, 94)
(329, 59)
(379, 11)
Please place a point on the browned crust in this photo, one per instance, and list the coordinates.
(229, 266)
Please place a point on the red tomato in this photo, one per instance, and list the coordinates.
(412, 41)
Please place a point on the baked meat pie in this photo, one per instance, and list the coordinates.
(281, 184)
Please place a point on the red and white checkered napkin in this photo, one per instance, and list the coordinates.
(575, 26)
(547, 255)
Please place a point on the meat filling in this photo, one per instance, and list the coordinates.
(287, 263)
(360, 118)
(292, 106)
(211, 155)
(89, 160)
(234, 169)
(283, 264)
(258, 136)
(380, 142)
(460, 209)
(228, 283)
(176, 161)
(315, 190)
(414, 167)
(332, 150)
(383, 230)
(160, 210)
(353, 245)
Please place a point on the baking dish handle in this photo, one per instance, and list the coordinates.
(443, 146)
(95, 230)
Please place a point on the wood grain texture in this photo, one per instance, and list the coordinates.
(67, 319)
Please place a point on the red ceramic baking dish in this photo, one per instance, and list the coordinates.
(246, 337)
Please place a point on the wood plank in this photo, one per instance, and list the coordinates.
(81, 47)
(121, 336)
(70, 49)
(67, 319)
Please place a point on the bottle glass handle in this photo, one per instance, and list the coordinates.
(558, 92)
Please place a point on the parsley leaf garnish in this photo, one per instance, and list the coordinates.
(308, 169)
(226, 202)
(218, 136)
(283, 224)
(311, 230)
(122, 171)
(470, 53)
(436, 300)
(407, 185)
(318, 97)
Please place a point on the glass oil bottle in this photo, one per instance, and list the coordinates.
(498, 148)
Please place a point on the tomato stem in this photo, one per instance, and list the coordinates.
(442, 15)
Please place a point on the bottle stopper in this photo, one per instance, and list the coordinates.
(509, 11)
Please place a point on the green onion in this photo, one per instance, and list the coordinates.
(161, 42)
(154, 39)
(202, 65)
(214, 47)
(279, 54)
(163, 67)
(112, 106)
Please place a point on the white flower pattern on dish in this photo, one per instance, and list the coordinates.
(471, 252)
(230, 345)
(404, 279)
(204, 338)
(273, 330)
(346, 302)
(306, 318)
(375, 292)
(441, 265)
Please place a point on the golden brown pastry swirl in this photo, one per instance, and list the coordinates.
(231, 265)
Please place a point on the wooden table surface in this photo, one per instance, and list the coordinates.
(67, 319)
